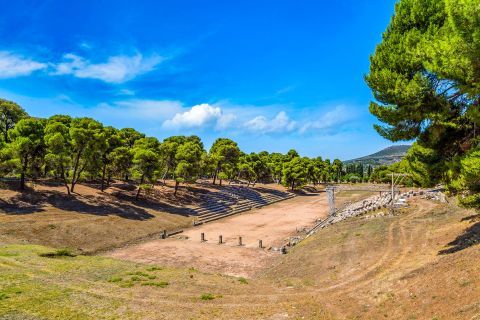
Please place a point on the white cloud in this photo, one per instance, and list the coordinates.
(280, 123)
(225, 121)
(199, 116)
(116, 69)
(338, 115)
(12, 65)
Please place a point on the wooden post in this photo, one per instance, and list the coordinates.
(202, 237)
(164, 236)
(220, 239)
(260, 244)
(240, 241)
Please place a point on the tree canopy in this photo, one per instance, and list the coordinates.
(71, 150)
(425, 77)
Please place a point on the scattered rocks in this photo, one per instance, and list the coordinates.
(434, 195)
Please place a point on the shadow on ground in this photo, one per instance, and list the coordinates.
(470, 237)
(29, 202)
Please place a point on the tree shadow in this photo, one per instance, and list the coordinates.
(469, 238)
(33, 202)
(303, 193)
(147, 203)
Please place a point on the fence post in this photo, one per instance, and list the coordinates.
(240, 241)
(202, 237)
(220, 239)
(260, 244)
(164, 236)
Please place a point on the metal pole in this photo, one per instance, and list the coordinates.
(393, 194)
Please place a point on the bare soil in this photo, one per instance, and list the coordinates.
(272, 224)
(90, 220)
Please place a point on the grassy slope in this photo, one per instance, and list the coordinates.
(90, 220)
(86, 287)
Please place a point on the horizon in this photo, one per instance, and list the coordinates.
(295, 82)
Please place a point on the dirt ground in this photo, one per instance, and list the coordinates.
(91, 220)
(272, 224)
(420, 264)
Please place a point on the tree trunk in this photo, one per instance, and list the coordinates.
(139, 187)
(103, 176)
(75, 168)
(6, 132)
(65, 182)
(215, 176)
(22, 174)
(176, 188)
(22, 181)
(164, 178)
(293, 185)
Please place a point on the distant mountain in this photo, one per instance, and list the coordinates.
(386, 156)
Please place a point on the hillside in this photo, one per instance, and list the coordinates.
(386, 156)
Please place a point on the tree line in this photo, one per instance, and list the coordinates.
(71, 150)
(425, 76)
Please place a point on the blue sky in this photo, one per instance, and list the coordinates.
(272, 75)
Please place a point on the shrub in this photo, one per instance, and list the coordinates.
(58, 253)
(139, 273)
(115, 279)
(242, 280)
(154, 268)
(207, 296)
(127, 284)
(161, 284)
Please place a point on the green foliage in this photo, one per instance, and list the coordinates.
(58, 156)
(86, 136)
(424, 76)
(295, 172)
(27, 145)
(10, 114)
(224, 154)
(74, 149)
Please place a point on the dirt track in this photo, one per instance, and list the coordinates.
(272, 224)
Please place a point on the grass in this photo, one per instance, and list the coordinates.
(94, 287)
(115, 279)
(154, 268)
